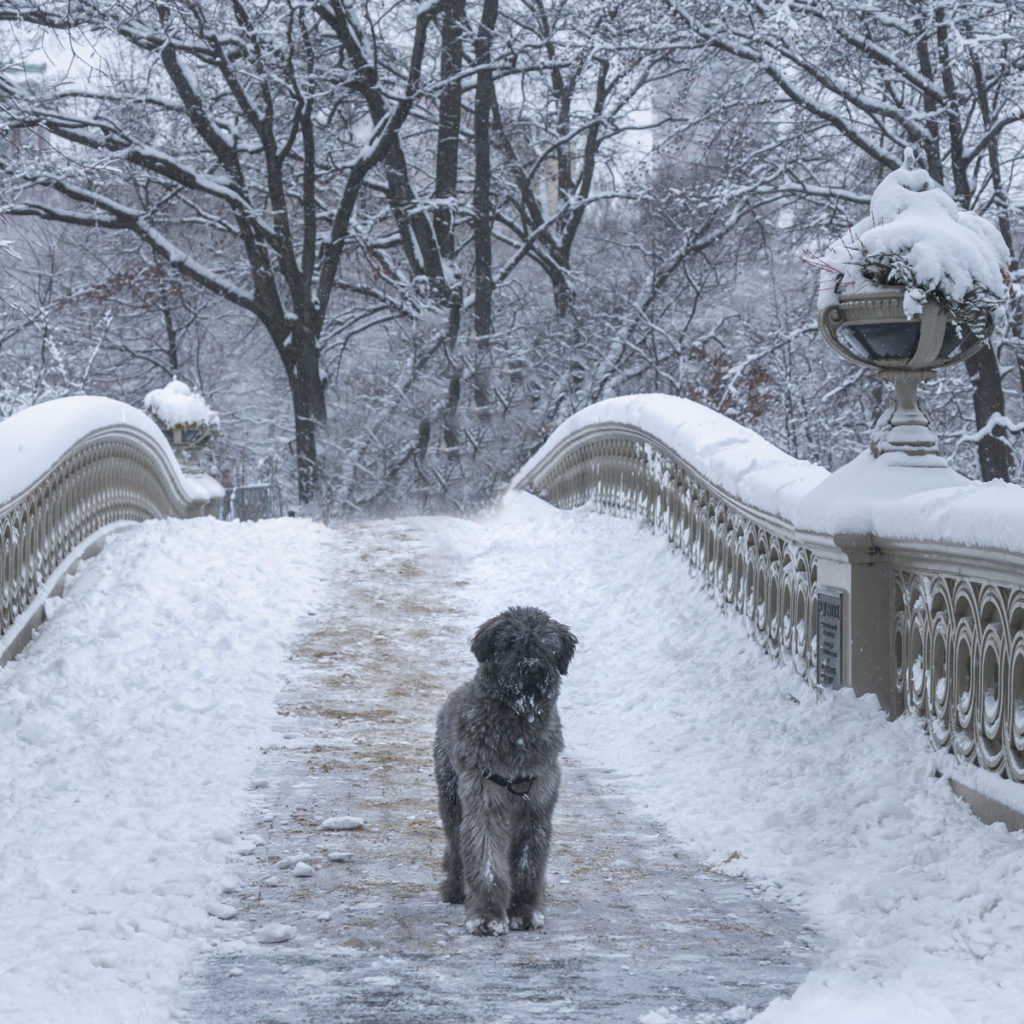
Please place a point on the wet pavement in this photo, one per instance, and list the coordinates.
(636, 929)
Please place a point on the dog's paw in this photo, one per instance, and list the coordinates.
(487, 926)
(526, 921)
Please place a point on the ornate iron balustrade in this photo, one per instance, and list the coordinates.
(933, 628)
(119, 473)
(958, 655)
(752, 561)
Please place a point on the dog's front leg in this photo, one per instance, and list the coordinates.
(484, 844)
(451, 817)
(531, 841)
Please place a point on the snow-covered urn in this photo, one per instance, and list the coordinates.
(187, 422)
(917, 284)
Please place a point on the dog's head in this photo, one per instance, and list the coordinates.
(523, 654)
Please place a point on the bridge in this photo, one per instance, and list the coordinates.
(218, 797)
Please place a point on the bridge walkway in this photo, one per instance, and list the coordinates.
(636, 930)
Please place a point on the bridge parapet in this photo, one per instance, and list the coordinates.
(923, 567)
(72, 470)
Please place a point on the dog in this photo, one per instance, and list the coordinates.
(496, 763)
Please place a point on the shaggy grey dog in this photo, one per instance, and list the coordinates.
(496, 762)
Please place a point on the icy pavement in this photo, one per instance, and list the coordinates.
(637, 929)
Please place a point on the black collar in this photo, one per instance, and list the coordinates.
(517, 787)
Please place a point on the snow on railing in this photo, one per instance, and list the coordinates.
(922, 568)
(71, 470)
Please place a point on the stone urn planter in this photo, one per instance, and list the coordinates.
(916, 285)
(185, 419)
(872, 329)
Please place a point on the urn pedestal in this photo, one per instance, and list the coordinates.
(188, 440)
(871, 328)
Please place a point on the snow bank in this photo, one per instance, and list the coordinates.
(128, 732)
(883, 497)
(892, 501)
(32, 440)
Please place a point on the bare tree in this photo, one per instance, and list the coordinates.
(357, 180)
(237, 153)
(589, 71)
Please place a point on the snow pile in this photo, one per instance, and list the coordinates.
(916, 236)
(33, 440)
(817, 798)
(177, 405)
(128, 732)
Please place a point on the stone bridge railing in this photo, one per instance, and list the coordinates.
(901, 581)
(71, 471)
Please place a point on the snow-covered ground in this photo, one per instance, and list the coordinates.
(128, 733)
(130, 726)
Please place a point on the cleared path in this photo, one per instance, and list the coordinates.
(636, 931)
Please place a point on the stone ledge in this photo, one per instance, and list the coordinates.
(990, 797)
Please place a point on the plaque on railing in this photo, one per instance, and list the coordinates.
(830, 639)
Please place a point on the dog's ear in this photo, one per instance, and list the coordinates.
(568, 647)
(483, 640)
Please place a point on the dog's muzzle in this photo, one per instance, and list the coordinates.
(532, 668)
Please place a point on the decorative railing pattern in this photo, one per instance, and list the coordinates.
(114, 474)
(934, 628)
(752, 562)
(958, 656)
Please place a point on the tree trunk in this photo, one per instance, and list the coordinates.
(565, 298)
(446, 181)
(306, 454)
(449, 121)
(483, 302)
(450, 434)
(301, 357)
(994, 456)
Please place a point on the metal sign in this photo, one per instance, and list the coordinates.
(830, 638)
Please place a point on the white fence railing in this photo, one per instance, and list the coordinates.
(902, 581)
(70, 471)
